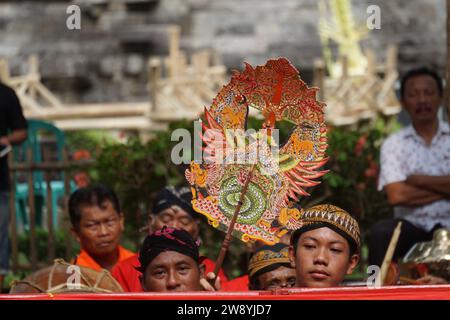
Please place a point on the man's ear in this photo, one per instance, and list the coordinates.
(141, 280)
(353, 262)
(122, 221)
(197, 231)
(441, 102)
(150, 223)
(202, 269)
(74, 233)
(292, 255)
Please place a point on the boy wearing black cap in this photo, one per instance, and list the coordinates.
(325, 248)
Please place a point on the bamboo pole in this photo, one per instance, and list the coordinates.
(391, 60)
(388, 257)
(4, 71)
(227, 240)
(12, 206)
(66, 224)
(33, 63)
(31, 203)
(319, 77)
(51, 235)
(174, 50)
(154, 79)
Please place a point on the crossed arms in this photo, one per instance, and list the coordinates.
(418, 190)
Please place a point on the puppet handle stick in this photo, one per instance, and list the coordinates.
(388, 257)
(226, 242)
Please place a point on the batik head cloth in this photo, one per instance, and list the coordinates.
(167, 239)
(335, 218)
(268, 258)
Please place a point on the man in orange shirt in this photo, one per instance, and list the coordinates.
(97, 224)
(172, 208)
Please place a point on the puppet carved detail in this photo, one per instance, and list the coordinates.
(278, 178)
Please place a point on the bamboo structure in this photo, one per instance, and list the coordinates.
(343, 30)
(188, 87)
(178, 89)
(357, 87)
(33, 94)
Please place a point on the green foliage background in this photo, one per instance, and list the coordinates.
(137, 171)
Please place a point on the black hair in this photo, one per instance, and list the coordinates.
(169, 196)
(95, 195)
(253, 283)
(419, 72)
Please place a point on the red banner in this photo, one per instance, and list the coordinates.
(435, 292)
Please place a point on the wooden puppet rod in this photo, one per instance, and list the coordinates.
(380, 281)
(227, 240)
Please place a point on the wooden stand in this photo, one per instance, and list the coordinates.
(351, 98)
(177, 90)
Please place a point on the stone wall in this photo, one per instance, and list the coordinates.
(259, 29)
(106, 59)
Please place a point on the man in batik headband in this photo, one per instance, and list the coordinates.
(325, 248)
(169, 262)
(269, 268)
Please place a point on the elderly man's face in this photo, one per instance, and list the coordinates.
(322, 258)
(175, 217)
(173, 272)
(281, 277)
(421, 99)
(100, 229)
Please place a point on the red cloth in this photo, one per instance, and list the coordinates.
(126, 274)
(85, 260)
(209, 267)
(128, 277)
(435, 292)
(238, 284)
